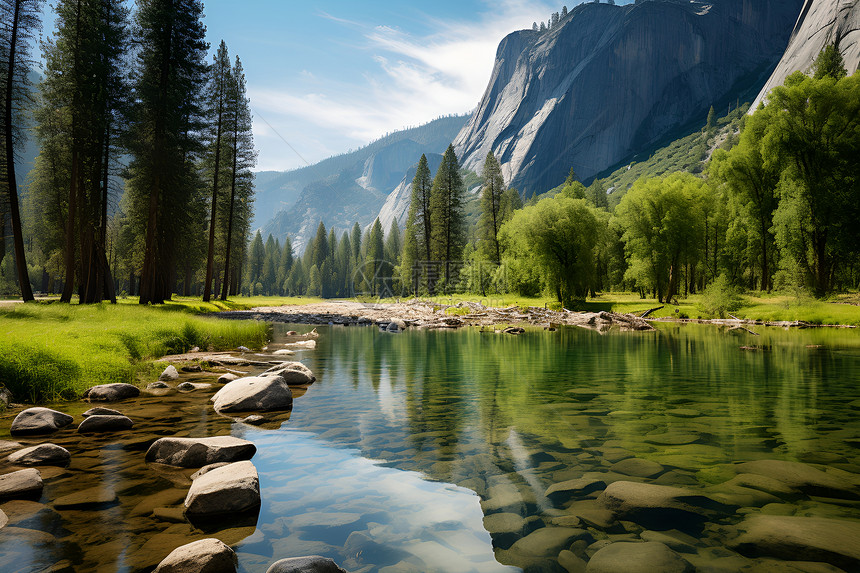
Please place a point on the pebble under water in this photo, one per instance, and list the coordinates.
(461, 451)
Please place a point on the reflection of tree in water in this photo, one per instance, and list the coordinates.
(462, 392)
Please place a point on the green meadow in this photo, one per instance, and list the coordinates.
(53, 351)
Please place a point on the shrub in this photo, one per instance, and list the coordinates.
(720, 298)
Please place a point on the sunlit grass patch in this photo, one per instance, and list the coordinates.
(56, 351)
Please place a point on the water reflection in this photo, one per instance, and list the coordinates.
(412, 449)
(335, 502)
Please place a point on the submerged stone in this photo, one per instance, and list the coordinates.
(802, 477)
(833, 541)
(310, 564)
(659, 506)
(647, 557)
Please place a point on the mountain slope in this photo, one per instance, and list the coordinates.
(821, 22)
(349, 188)
(611, 80)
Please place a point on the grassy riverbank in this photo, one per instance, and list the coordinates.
(56, 351)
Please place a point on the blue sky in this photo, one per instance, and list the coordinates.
(332, 76)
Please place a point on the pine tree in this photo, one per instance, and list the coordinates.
(374, 258)
(83, 104)
(220, 76)
(393, 249)
(355, 240)
(830, 63)
(243, 158)
(420, 210)
(712, 119)
(491, 200)
(446, 205)
(343, 265)
(256, 259)
(285, 265)
(20, 24)
(163, 180)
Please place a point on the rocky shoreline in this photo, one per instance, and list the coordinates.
(221, 494)
(423, 314)
(427, 315)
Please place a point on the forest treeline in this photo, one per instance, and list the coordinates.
(142, 148)
(143, 182)
(775, 208)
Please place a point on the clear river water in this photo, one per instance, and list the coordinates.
(436, 451)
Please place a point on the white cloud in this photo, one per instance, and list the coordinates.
(409, 80)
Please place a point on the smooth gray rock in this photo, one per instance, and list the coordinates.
(22, 483)
(802, 477)
(4, 519)
(233, 488)
(99, 411)
(34, 421)
(295, 373)
(159, 385)
(648, 557)
(199, 452)
(660, 506)
(606, 82)
(206, 469)
(169, 374)
(310, 564)
(111, 392)
(203, 556)
(227, 378)
(820, 23)
(41, 455)
(254, 393)
(105, 424)
(833, 541)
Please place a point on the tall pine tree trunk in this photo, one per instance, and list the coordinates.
(72, 215)
(12, 185)
(226, 286)
(210, 258)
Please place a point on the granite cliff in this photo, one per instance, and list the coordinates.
(609, 81)
(821, 22)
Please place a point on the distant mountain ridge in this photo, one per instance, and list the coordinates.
(349, 188)
(610, 80)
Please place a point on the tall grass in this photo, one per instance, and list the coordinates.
(56, 351)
